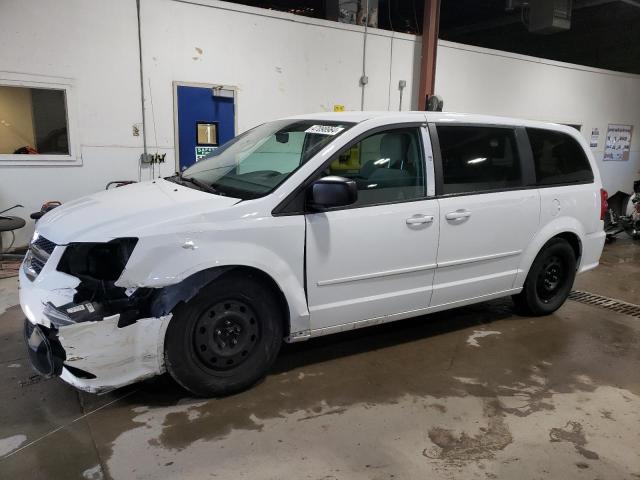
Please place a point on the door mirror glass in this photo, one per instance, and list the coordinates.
(331, 192)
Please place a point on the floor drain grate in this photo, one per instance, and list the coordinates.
(617, 306)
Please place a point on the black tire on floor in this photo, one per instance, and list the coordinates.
(226, 337)
(550, 279)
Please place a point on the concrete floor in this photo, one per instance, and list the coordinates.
(476, 392)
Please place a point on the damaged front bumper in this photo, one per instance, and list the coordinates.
(93, 353)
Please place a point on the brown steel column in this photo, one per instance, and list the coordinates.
(430, 23)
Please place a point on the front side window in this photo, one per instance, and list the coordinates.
(256, 162)
(558, 158)
(33, 121)
(387, 167)
(477, 159)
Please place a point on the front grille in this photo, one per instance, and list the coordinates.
(605, 302)
(44, 244)
(39, 252)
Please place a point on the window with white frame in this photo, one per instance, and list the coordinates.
(33, 121)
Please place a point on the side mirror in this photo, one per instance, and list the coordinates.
(331, 192)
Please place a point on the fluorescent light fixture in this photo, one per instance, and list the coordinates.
(382, 161)
(476, 160)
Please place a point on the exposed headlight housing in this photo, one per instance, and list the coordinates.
(101, 261)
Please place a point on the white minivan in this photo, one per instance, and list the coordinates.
(303, 227)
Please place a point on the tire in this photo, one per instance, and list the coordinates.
(550, 279)
(225, 338)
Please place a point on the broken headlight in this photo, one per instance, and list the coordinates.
(100, 261)
(73, 313)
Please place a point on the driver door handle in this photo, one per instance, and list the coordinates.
(418, 219)
(458, 214)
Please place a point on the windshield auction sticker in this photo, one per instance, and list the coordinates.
(324, 129)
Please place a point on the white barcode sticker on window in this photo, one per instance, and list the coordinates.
(324, 129)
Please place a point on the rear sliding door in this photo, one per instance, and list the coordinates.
(489, 211)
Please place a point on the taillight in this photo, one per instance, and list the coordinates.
(604, 205)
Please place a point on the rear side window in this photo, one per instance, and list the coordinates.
(558, 158)
(477, 159)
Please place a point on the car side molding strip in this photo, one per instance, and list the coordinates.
(483, 258)
(366, 276)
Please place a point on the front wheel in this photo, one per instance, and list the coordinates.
(550, 279)
(226, 337)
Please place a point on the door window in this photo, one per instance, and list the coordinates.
(387, 167)
(558, 158)
(476, 159)
(207, 134)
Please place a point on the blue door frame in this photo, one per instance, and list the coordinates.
(208, 106)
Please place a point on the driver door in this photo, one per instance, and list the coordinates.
(375, 260)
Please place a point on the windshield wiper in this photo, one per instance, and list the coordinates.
(200, 184)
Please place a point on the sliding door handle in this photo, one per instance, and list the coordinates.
(458, 214)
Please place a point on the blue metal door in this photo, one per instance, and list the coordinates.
(206, 119)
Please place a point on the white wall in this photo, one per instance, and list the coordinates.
(91, 45)
(281, 64)
(478, 80)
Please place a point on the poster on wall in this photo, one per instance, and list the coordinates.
(595, 135)
(618, 142)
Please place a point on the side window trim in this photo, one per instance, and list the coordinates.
(525, 152)
(437, 159)
(527, 175)
(291, 204)
(429, 160)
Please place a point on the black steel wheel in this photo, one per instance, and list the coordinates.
(550, 279)
(226, 337)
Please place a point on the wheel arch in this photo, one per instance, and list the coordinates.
(568, 229)
(166, 299)
(574, 241)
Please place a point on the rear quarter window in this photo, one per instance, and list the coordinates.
(558, 158)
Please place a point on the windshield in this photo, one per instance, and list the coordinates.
(256, 162)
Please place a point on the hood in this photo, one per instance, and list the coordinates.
(124, 211)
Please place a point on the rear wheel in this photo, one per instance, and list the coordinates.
(549, 280)
(226, 338)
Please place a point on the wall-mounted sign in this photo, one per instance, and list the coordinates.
(202, 152)
(595, 135)
(618, 142)
(338, 108)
